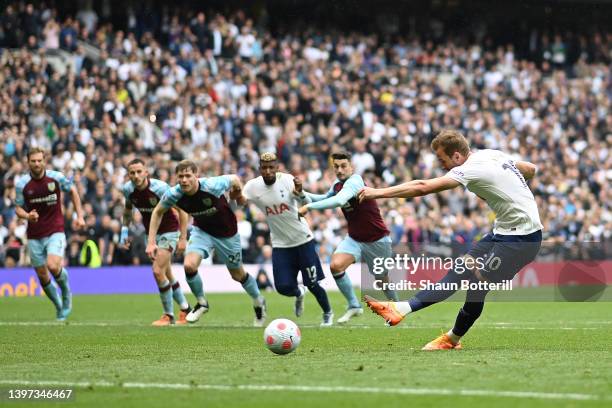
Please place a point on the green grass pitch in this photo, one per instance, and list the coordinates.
(517, 354)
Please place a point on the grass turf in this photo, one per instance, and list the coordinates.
(549, 349)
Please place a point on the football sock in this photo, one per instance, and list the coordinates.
(403, 307)
(470, 312)
(250, 286)
(52, 294)
(197, 288)
(428, 297)
(346, 287)
(321, 296)
(165, 293)
(179, 296)
(454, 338)
(62, 281)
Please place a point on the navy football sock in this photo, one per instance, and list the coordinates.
(428, 297)
(470, 312)
(321, 296)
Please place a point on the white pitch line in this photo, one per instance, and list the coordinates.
(408, 326)
(318, 388)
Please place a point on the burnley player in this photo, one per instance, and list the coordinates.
(514, 242)
(293, 247)
(39, 200)
(214, 228)
(144, 193)
(368, 237)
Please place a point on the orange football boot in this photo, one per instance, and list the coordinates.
(165, 320)
(442, 342)
(386, 310)
(182, 319)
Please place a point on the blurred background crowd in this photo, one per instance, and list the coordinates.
(220, 86)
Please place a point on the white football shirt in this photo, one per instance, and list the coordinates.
(280, 206)
(493, 176)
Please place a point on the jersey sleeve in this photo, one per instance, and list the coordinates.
(464, 174)
(19, 199)
(351, 187)
(216, 185)
(127, 190)
(171, 197)
(159, 187)
(313, 198)
(64, 182)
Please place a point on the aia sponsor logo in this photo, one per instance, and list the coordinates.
(277, 209)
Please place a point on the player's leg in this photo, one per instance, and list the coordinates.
(507, 256)
(160, 265)
(468, 314)
(249, 284)
(346, 254)
(191, 265)
(178, 295)
(379, 249)
(169, 241)
(427, 298)
(55, 249)
(36, 248)
(285, 270)
(394, 312)
(198, 247)
(49, 288)
(230, 252)
(312, 273)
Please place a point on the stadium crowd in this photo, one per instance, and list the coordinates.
(220, 89)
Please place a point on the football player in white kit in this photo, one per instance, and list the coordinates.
(279, 196)
(514, 242)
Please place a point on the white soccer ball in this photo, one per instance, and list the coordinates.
(282, 336)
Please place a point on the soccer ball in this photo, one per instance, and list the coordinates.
(282, 336)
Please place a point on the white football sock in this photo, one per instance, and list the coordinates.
(454, 338)
(403, 307)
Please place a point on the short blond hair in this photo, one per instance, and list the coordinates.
(186, 165)
(35, 150)
(268, 157)
(451, 141)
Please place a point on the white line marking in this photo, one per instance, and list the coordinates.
(317, 388)
(408, 326)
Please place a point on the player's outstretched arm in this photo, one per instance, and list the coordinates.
(156, 217)
(527, 169)
(76, 201)
(236, 190)
(313, 198)
(414, 188)
(183, 224)
(349, 190)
